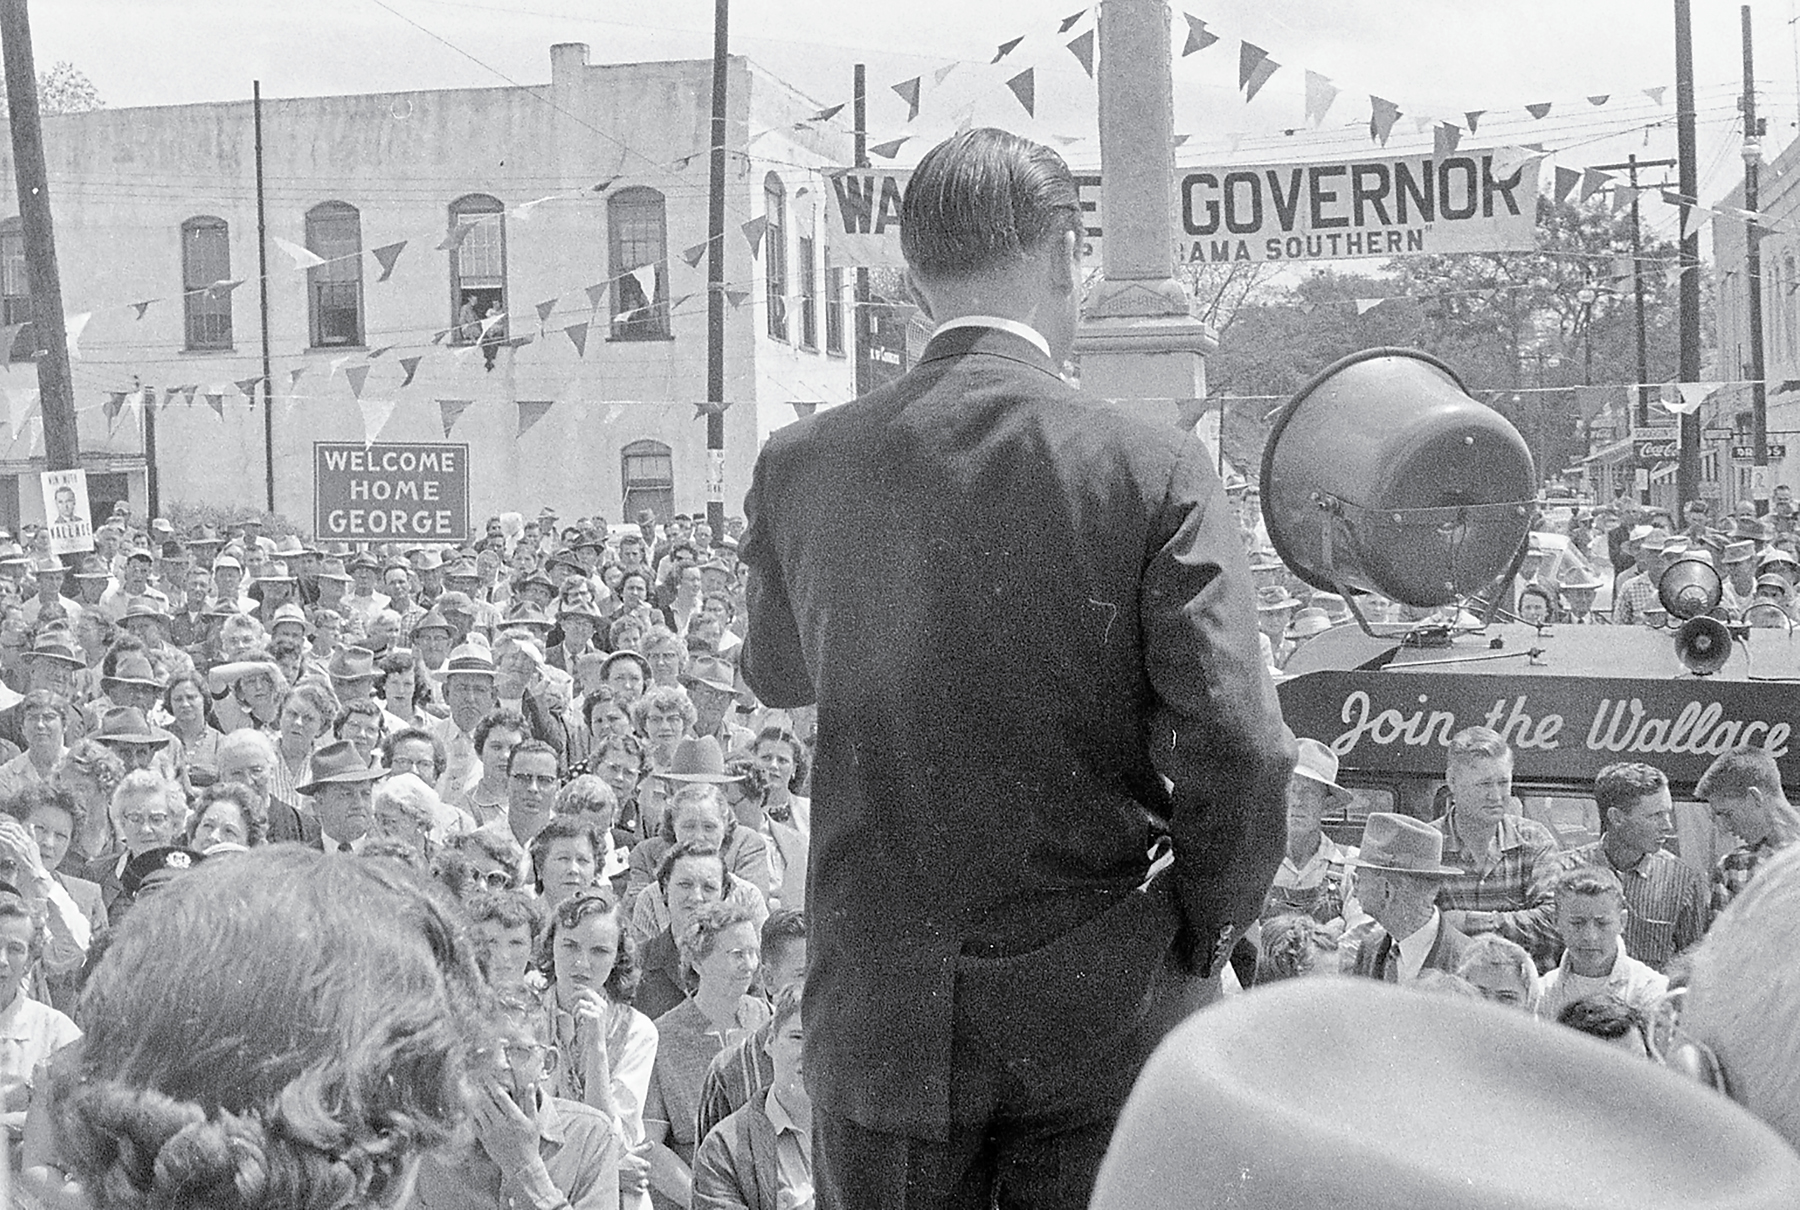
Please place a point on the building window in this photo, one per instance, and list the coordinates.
(15, 289)
(205, 261)
(637, 224)
(805, 267)
(477, 267)
(649, 478)
(834, 306)
(334, 289)
(775, 254)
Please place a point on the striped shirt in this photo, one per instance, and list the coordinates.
(1517, 887)
(1666, 900)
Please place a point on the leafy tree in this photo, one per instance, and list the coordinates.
(63, 89)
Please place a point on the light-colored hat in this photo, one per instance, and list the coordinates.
(712, 672)
(1315, 1094)
(1403, 845)
(127, 725)
(352, 664)
(1308, 622)
(470, 660)
(1738, 552)
(133, 668)
(1272, 597)
(289, 613)
(1317, 762)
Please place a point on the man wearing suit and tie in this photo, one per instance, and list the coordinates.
(1398, 873)
(1018, 611)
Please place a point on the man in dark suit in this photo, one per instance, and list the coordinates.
(1019, 611)
(1399, 870)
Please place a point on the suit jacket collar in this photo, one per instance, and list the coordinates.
(964, 342)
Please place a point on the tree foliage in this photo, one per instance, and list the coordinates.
(64, 88)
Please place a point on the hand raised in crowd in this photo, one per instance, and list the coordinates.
(507, 1133)
(19, 850)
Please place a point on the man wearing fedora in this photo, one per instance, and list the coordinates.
(50, 664)
(147, 620)
(468, 680)
(1635, 594)
(711, 684)
(1018, 612)
(339, 784)
(49, 601)
(1399, 871)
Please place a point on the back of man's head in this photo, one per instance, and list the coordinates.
(982, 201)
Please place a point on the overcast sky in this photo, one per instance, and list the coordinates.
(1434, 57)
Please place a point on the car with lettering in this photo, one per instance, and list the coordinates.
(1570, 700)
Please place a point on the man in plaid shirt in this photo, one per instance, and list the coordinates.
(1636, 593)
(1743, 788)
(1509, 863)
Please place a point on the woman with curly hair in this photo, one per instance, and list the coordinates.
(1293, 946)
(698, 814)
(344, 1004)
(190, 707)
(608, 1048)
(782, 755)
(226, 816)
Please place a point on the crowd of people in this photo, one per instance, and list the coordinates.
(547, 724)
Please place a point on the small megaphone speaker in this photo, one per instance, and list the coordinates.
(1690, 586)
(1383, 475)
(1703, 645)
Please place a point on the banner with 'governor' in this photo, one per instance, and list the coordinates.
(1375, 205)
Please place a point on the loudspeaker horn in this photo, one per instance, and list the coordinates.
(1690, 586)
(1383, 475)
(1703, 645)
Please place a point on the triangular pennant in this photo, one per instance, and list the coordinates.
(1599, 100)
(411, 366)
(1068, 22)
(693, 256)
(1382, 116)
(374, 353)
(454, 238)
(110, 409)
(1365, 305)
(711, 409)
(1197, 38)
(9, 335)
(804, 408)
(437, 337)
(889, 149)
(216, 402)
(909, 92)
(524, 210)
(943, 73)
(613, 413)
(1472, 117)
(544, 308)
(676, 305)
(1656, 94)
(1320, 93)
(1621, 198)
(188, 392)
(603, 186)
(490, 322)
(135, 403)
(577, 334)
(1444, 138)
(73, 326)
(18, 404)
(1566, 180)
(1083, 50)
(828, 113)
(645, 277)
(356, 376)
(375, 413)
(1592, 181)
(1024, 87)
(304, 258)
(753, 231)
(223, 289)
(531, 411)
(737, 298)
(337, 363)
(1251, 77)
(965, 117)
(1007, 48)
(247, 386)
(1423, 122)
(141, 307)
(1508, 158)
(450, 409)
(1539, 111)
(386, 256)
(596, 293)
(1179, 139)
(169, 396)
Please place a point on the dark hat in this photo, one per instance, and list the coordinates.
(145, 607)
(365, 562)
(698, 760)
(579, 609)
(462, 569)
(625, 654)
(150, 869)
(174, 550)
(352, 664)
(57, 645)
(332, 569)
(1403, 845)
(540, 579)
(335, 763)
(434, 621)
(526, 613)
(92, 567)
(127, 725)
(711, 672)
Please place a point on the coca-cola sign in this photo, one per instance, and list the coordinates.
(1561, 728)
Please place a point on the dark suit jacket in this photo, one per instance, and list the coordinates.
(1018, 610)
(1379, 956)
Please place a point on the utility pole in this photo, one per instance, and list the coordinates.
(1631, 165)
(56, 391)
(262, 282)
(859, 103)
(1687, 478)
(715, 278)
(1759, 394)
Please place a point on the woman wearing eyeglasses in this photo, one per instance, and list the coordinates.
(610, 1047)
(149, 812)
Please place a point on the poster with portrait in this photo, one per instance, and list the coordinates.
(66, 511)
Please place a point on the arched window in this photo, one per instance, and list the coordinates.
(334, 289)
(637, 230)
(649, 478)
(15, 288)
(477, 265)
(775, 254)
(205, 261)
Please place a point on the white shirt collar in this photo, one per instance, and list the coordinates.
(1022, 331)
(1415, 947)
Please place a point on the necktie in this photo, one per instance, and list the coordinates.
(344, 847)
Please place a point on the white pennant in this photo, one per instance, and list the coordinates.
(73, 326)
(304, 258)
(19, 402)
(645, 276)
(375, 413)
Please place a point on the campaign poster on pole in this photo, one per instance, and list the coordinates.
(66, 508)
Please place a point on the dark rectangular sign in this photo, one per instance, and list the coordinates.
(390, 492)
(1747, 453)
